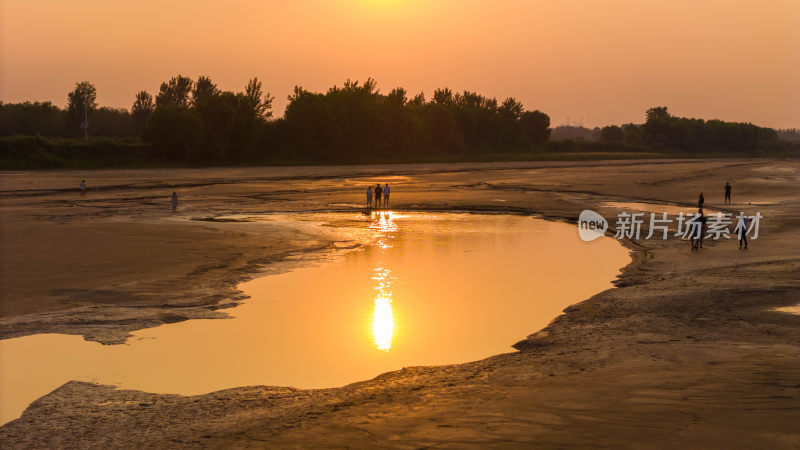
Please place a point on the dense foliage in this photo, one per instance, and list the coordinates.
(357, 122)
(196, 123)
(664, 130)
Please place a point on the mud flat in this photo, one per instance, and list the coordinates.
(688, 350)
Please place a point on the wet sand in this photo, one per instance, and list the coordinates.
(686, 351)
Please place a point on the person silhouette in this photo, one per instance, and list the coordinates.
(727, 192)
(174, 201)
(386, 195)
(694, 230)
(700, 202)
(741, 230)
(369, 196)
(378, 195)
(703, 221)
(83, 188)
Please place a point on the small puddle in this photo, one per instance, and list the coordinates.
(429, 289)
(788, 309)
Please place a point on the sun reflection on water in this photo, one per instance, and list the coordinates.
(384, 227)
(383, 319)
(383, 223)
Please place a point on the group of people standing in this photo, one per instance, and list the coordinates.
(698, 223)
(380, 194)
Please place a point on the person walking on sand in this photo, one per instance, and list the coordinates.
(693, 230)
(727, 192)
(741, 231)
(386, 195)
(378, 195)
(700, 201)
(174, 201)
(703, 220)
(369, 196)
(83, 188)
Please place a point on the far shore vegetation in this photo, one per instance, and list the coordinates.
(192, 123)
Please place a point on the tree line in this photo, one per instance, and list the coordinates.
(194, 122)
(661, 130)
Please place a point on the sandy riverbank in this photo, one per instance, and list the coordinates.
(684, 353)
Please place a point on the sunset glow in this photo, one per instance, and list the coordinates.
(399, 223)
(730, 60)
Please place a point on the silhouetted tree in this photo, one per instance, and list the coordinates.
(656, 128)
(632, 134)
(510, 112)
(666, 131)
(535, 126)
(203, 89)
(142, 107)
(657, 113)
(175, 92)
(611, 134)
(199, 124)
(443, 96)
(789, 134)
(397, 97)
(574, 133)
(116, 122)
(176, 131)
(417, 101)
(261, 103)
(83, 96)
(441, 130)
(45, 119)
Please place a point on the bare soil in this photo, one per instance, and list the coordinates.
(685, 351)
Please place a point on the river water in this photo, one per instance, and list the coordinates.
(426, 289)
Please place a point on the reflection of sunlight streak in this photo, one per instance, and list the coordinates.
(383, 323)
(383, 223)
(383, 319)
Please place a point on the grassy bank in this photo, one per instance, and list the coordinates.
(34, 152)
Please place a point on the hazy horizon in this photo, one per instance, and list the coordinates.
(602, 63)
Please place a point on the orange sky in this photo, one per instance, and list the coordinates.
(600, 61)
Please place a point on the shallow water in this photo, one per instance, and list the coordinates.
(789, 309)
(427, 289)
(671, 210)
